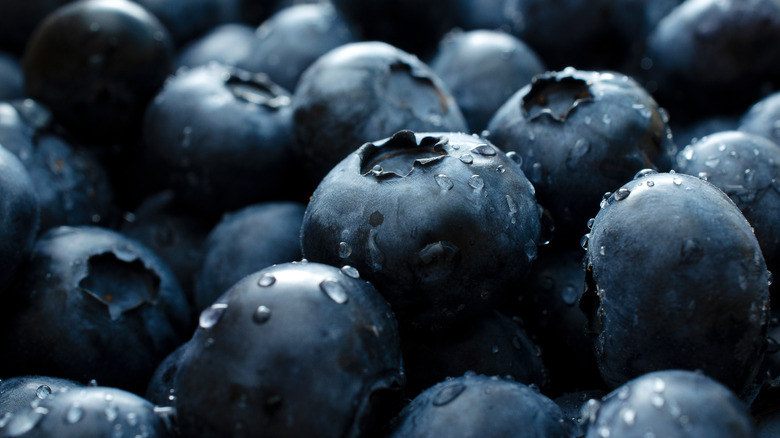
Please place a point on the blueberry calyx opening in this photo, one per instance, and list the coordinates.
(555, 97)
(121, 285)
(256, 89)
(400, 154)
(400, 69)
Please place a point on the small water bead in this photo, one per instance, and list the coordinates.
(344, 250)
(466, 158)
(74, 414)
(476, 182)
(629, 417)
(111, 413)
(448, 394)
(350, 272)
(92, 383)
(650, 183)
(606, 119)
(584, 241)
(749, 174)
(721, 147)
(677, 180)
(622, 194)
(266, 280)
(570, 295)
(657, 401)
(587, 120)
(43, 391)
(512, 208)
(262, 315)
(335, 291)
(211, 316)
(132, 419)
(514, 156)
(536, 173)
(659, 385)
(444, 182)
(645, 172)
(602, 250)
(590, 410)
(591, 222)
(624, 392)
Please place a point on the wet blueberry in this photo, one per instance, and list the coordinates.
(676, 281)
(443, 224)
(17, 393)
(763, 118)
(299, 349)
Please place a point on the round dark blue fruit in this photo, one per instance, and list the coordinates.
(580, 134)
(72, 186)
(92, 304)
(11, 77)
(763, 118)
(247, 241)
(476, 405)
(361, 92)
(18, 393)
(188, 19)
(88, 412)
(299, 349)
(219, 137)
(231, 44)
(676, 280)
(669, 403)
(483, 69)
(19, 217)
(443, 224)
(96, 64)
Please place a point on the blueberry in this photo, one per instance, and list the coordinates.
(18, 393)
(188, 19)
(491, 344)
(294, 37)
(19, 217)
(580, 134)
(483, 69)
(299, 349)
(689, 133)
(71, 184)
(219, 137)
(87, 412)
(231, 44)
(669, 403)
(476, 405)
(763, 118)
(11, 77)
(247, 241)
(360, 92)
(92, 304)
(443, 224)
(707, 45)
(745, 167)
(676, 281)
(96, 64)
(172, 232)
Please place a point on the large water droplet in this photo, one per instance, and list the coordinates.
(350, 271)
(444, 182)
(448, 394)
(476, 182)
(335, 291)
(43, 391)
(74, 414)
(262, 315)
(211, 315)
(622, 194)
(466, 158)
(484, 150)
(266, 280)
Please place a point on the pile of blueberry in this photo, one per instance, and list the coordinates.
(389, 218)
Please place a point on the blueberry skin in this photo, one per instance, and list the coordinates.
(361, 92)
(476, 405)
(174, 233)
(669, 403)
(17, 393)
(71, 184)
(580, 134)
(12, 82)
(219, 137)
(92, 304)
(443, 224)
(88, 412)
(299, 349)
(491, 344)
(676, 281)
(294, 37)
(231, 44)
(247, 241)
(19, 217)
(188, 19)
(707, 45)
(483, 69)
(761, 118)
(745, 167)
(96, 64)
